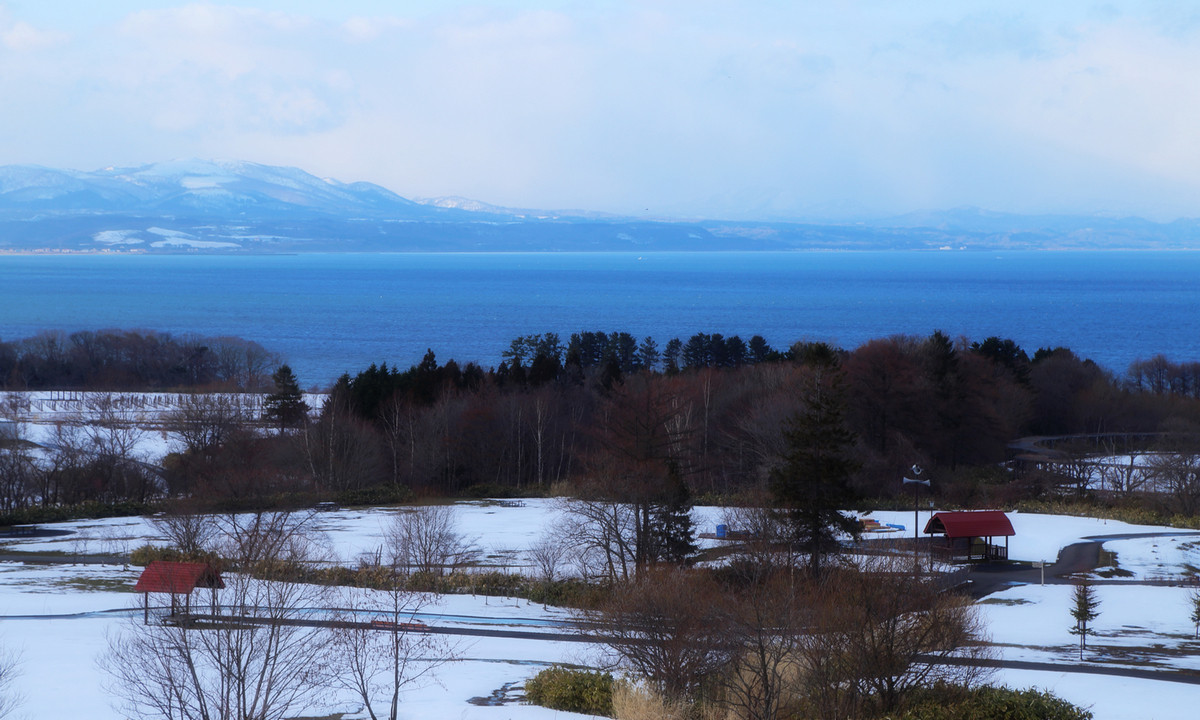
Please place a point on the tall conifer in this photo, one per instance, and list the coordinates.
(812, 487)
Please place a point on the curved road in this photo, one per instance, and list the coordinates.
(1078, 557)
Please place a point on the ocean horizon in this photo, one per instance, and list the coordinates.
(327, 314)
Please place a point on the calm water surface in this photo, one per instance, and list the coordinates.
(329, 314)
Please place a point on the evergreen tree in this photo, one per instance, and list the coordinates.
(697, 352)
(760, 351)
(737, 353)
(426, 379)
(648, 354)
(1084, 612)
(1006, 353)
(671, 523)
(812, 487)
(610, 374)
(1194, 597)
(286, 405)
(672, 355)
(544, 369)
(815, 354)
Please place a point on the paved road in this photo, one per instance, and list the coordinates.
(1191, 677)
(1079, 557)
(63, 559)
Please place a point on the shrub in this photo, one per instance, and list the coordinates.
(571, 592)
(147, 554)
(581, 691)
(481, 491)
(89, 510)
(634, 701)
(990, 703)
(375, 495)
(1132, 514)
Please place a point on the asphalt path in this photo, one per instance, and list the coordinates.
(1190, 677)
(212, 622)
(204, 622)
(1080, 557)
(61, 559)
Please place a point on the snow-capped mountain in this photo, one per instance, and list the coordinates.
(221, 187)
(234, 206)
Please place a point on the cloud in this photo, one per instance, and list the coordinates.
(366, 29)
(697, 108)
(20, 36)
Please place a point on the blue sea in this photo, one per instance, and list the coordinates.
(335, 313)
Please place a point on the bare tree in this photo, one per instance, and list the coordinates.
(669, 628)
(763, 543)
(204, 421)
(114, 428)
(189, 532)
(340, 449)
(238, 667)
(1123, 478)
(1177, 475)
(18, 469)
(547, 556)
(401, 422)
(1077, 473)
(389, 654)
(767, 619)
(883, 632)
(249, 662)
(115, 431)
(259, 542)
(10, 699)
(65, 463)
(426, 539)
(244, 363)
(601, 534)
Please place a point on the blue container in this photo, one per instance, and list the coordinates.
(722, 530)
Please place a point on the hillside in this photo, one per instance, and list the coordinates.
(234, 206)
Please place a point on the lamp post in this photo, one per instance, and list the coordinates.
(916, 483)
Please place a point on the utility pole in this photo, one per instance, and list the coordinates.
(917, 483)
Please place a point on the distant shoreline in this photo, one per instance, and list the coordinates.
(200, 252)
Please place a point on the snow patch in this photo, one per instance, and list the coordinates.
(117, 237)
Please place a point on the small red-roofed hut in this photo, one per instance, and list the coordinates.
(972, 531)
(175, 579)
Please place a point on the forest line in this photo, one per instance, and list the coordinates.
(591, 412)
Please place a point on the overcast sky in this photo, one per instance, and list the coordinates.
(689, 108)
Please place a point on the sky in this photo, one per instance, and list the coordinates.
(663, 108)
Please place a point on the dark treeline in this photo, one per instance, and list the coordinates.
(604, 414)
(133, 360)
(608, 411)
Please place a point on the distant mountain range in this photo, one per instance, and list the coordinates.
(231, 206)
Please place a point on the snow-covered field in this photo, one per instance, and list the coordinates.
(47, 407)
(1143, 625)
(1040, 537)
(58, 617)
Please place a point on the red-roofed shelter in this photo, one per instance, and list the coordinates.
(973, 532)
(175, 579)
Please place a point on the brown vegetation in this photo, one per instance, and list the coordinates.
(605, 414)
(765, 642)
